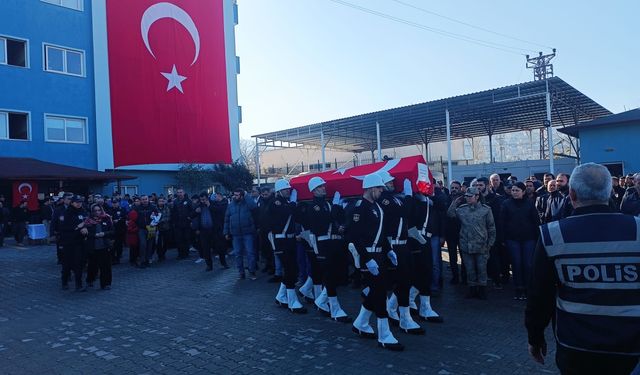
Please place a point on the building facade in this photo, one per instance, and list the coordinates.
(47, 107)
(611, 141)
(54, 101)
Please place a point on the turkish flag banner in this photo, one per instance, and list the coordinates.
(26, 191)
(168, 82)
(348, 181)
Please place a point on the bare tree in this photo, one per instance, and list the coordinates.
(248, 153)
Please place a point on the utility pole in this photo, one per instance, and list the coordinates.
(543, 69)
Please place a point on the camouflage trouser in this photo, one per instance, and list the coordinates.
(476, 266)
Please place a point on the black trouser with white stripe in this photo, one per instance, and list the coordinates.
(331, 264)
(286, 251)
(400, 276)
(376, 299)
(421, 267)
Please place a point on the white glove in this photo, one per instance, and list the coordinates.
(408, 191)
(336, 197)
(293, 198)
(372, 266)
(416, 235)
(393, 257)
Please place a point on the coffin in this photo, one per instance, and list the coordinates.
(348, 181)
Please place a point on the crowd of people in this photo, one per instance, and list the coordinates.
(388, 242)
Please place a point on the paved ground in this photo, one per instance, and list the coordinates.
(175, 318)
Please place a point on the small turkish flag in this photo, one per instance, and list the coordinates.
(168, 81)
(26, 191)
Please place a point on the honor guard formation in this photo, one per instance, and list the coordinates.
(386, 235)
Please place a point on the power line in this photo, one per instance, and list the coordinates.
(470, 25)
(484, 43)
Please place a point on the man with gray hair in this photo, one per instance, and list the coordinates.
(585, 276)
(631, 201)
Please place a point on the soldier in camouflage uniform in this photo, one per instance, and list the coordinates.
(477, 235)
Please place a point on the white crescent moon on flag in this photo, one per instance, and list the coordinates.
(23, 185)
(389, 165)
(168, 10)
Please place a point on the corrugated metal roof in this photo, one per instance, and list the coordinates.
(496, 111)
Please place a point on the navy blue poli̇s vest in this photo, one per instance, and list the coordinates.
(597, 260)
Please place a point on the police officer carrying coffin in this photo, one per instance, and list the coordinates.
(585, 276)
(372, 252)
(280, 228)
(396, 216)
(420, 209)
(323, 221)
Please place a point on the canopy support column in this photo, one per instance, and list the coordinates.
(378, 141)
(257, 162)
(322, 147)
(449, 171)
(549, 130)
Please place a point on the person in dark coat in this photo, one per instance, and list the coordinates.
(631, 201)
(4, 218)
(519, 220)
(181, 222)
(220, 244)
(19, 220)
(98, 242)
(72, 236)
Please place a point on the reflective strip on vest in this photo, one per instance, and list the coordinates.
(599, 282)
(632, 311)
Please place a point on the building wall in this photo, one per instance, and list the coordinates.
(612, 144)
(36, 91)
(521, 169)
(147, 182)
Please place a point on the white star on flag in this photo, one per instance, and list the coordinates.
(175, 80)
(340, 170)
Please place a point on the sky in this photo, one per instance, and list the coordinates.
(307, 61)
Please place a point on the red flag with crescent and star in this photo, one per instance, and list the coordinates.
(348, 181)
(168, 82)
(26, 191)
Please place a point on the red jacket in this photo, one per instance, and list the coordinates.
(132, 229)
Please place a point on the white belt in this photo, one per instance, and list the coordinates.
(373, 249)
(285, 235)
(398, 242)
(329, 237)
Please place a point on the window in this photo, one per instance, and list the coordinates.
(72, 4)
(65, 129)
(126, 189)
(63, 60)
(14, 126)
(13, 52)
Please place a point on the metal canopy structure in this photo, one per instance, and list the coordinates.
(525, 106)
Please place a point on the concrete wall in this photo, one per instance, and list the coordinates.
(612, 144)
(521, 169)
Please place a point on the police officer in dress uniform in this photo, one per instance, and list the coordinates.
(586, 277)
(73, 232)
(372, 252)
(420, 210)
(281, 235)
(395, 231)
(322, 223)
